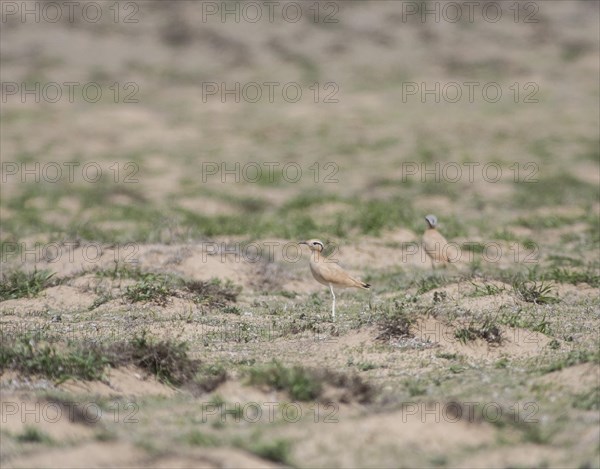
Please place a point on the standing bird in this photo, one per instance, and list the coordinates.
(328, 272)
(436, 246)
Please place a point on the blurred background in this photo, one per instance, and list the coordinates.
(362, 134)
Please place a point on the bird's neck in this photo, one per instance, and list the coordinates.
(316, 256)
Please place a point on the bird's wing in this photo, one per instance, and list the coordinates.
(333, 273)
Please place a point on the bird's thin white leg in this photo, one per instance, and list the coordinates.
(333, 304)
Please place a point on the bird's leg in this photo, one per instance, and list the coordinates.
(333, 304)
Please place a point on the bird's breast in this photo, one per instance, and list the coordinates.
(317, 271)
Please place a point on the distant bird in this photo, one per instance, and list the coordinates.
(328, 272)
(435, 245)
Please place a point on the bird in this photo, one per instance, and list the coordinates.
(328, 272)
(435, 245)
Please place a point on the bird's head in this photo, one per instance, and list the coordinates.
(431, 221)
(314, 244)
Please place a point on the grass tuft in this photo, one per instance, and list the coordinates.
(563, 275)
(572, 358)
(487, 330)
(155, 288)
(214, 293)
(431, 283)
(534, 292)
(487, 289)
(19, 284)
(589, 400)
(520, 320)
(167, 360)
(300, 383)
(158, 288)
(27, 356)
(395, 324)
(208, 378)
(198, 438)
(277, 450)
(305, 384)
(33, 435)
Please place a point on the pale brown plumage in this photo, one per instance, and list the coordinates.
(329, 272)
(436, 246)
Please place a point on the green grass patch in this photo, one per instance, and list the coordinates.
(558, 261)
(473, 246)
(525, 321)
(486, 329)
(572, 358)
(209, 377)
(215, 293)
(307, 384)
(27, 356)
(20, 284)
(366, 366)
(564, 275)
(431, 283)
(558, 189)
(299, 382)
(395, 322)
(198, 438)
(372, 216)
(121, 271)
(168, 360)
(155, 288)
(486, 289)
(277, 450)
(33, 434)
(534, 292)
(588, 400)
(447, 355)
(554, 221)
(415, 387)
